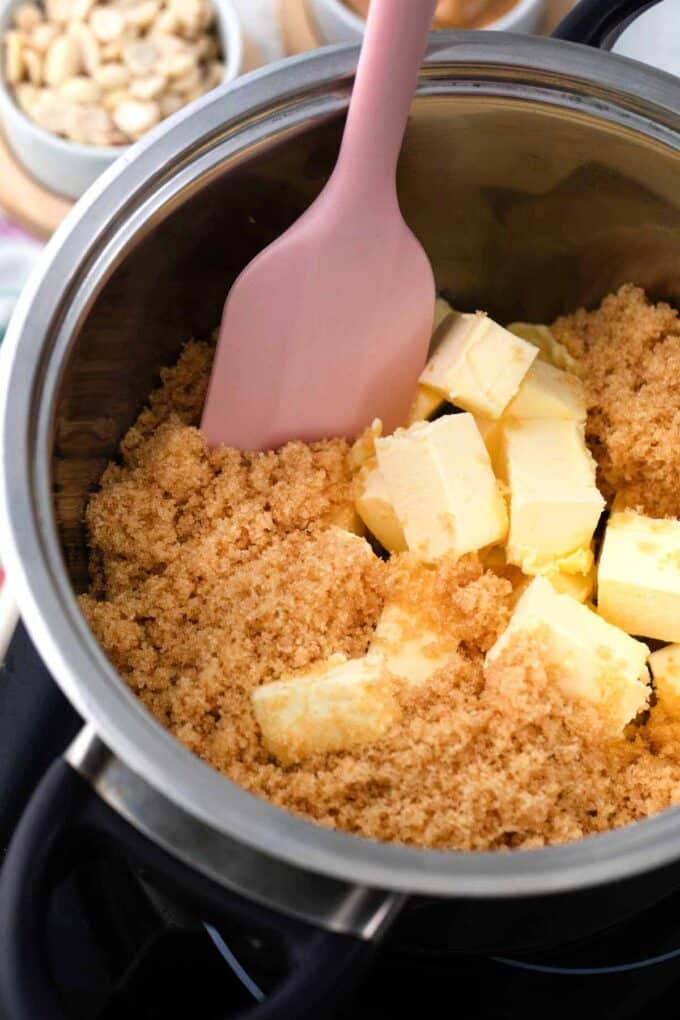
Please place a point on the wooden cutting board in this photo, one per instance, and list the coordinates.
(33, 207)
(38, 210)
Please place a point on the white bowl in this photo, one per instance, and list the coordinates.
(69, 168)
(339, 24)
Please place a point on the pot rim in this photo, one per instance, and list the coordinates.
(58, 296)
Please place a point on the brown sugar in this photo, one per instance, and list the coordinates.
(628, 355)
(215, 572)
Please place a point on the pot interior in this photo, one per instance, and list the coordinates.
(538, 176)
(526, 209)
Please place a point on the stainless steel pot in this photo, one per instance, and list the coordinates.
(539, 175)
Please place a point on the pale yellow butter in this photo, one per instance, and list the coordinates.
(579, 586)
(638, 585)
(591, 659)
(411, 649)
(427, 401)
(363, 449)
(336, 705)
(491, 431)
(375, 509)
(551, 350)
(548, 392)
(554, 502)
(477, 364)
(442, 487)
(665, 667)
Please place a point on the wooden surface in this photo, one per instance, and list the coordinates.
(300, 33)
(24, 200)
(41, 211)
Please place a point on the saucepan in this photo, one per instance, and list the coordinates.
(539, 175)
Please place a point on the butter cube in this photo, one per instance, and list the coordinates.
(477, 364)
(375, 509)
(578, 586)
(426, 402)
(363, 449)
(336, 705)
(665, 667)
(591, 659)
(442, 487)
(548, 392)
(491, 431)
(412, 650)
(554, 502)
(550, 349)
(638, 585)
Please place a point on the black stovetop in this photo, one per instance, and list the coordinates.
(120, 949)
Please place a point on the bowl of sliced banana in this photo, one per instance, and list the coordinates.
(81, 80)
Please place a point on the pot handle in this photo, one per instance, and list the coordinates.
(63, 812)
(595, 22)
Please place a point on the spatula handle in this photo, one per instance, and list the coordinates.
(394, 44)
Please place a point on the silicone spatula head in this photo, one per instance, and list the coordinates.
(328, 328)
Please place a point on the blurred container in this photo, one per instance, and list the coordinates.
(340, 24)
(67, 167)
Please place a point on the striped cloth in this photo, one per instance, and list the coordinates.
(18, 253)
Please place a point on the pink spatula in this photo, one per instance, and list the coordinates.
(329, 326)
